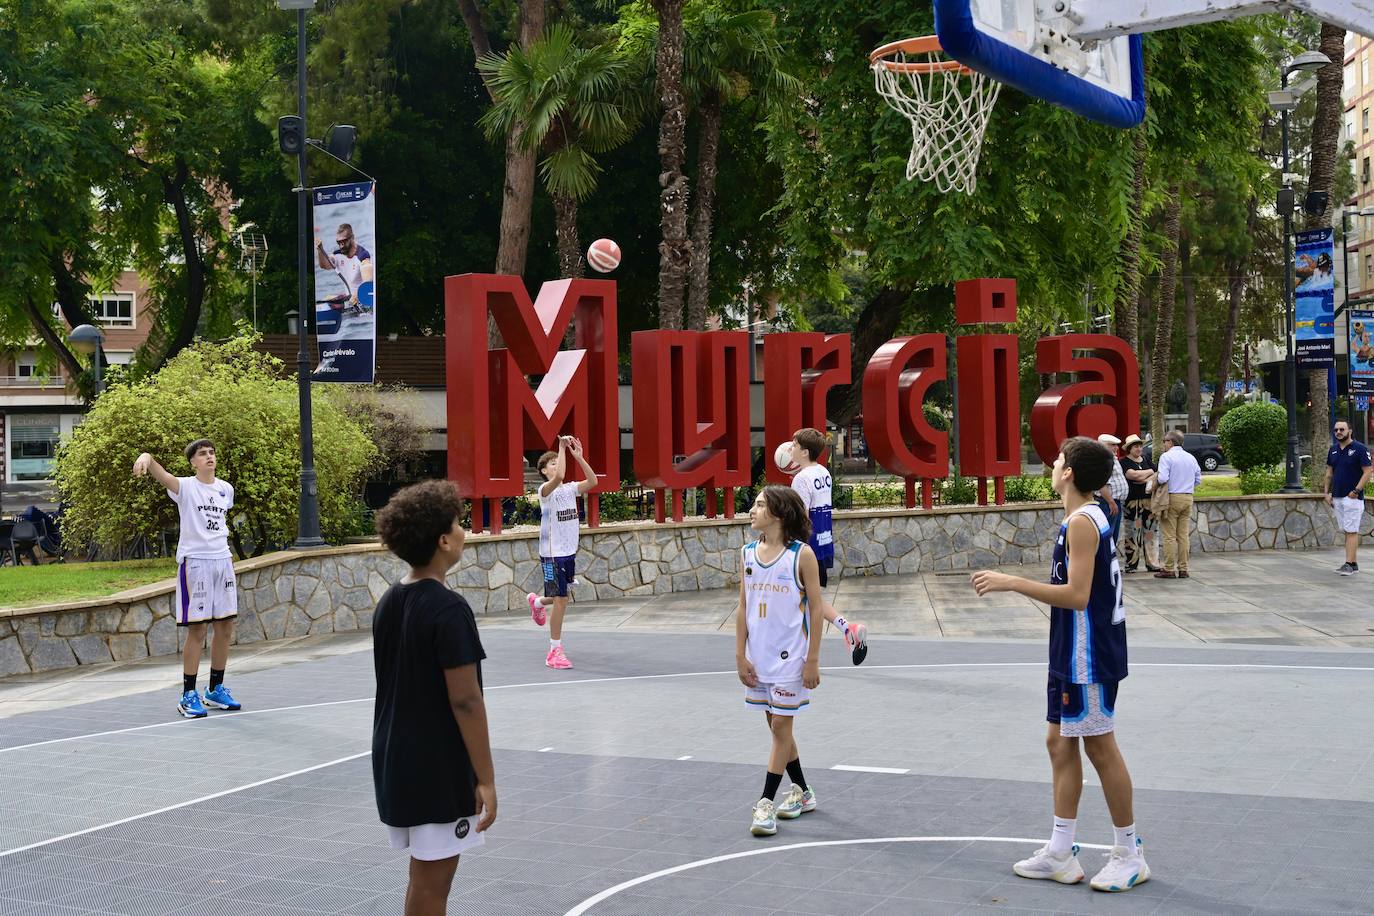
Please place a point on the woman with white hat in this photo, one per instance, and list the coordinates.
(1139, 521)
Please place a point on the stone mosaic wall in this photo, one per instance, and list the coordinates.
(335, 590)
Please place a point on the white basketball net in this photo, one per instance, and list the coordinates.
(948, 107)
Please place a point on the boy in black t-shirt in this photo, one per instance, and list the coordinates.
(431, 755)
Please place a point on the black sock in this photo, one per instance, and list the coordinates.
(188, 683)
(794, 773)
(216, 677)
(770, 786)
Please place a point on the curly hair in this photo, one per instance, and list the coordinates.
(1091, 462)
(544, 459)
(411, 524)
(787, 507)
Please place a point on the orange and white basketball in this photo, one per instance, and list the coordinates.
(603, 256)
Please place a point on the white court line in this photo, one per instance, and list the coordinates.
(856, 769)
(185, 804)
(545, 750)
(200, 723)
(685, 757)
(610, 892)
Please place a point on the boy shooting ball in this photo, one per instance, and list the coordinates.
(559, 529)
(1087, 663)
(431, 752)
(206, 595)
(813, 484)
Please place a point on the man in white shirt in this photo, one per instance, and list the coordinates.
(206, 590)
(1180, 475)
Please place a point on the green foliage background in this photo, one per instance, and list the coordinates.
(236, 397)
(1254, 435)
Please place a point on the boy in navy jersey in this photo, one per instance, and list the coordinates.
(1087, 661)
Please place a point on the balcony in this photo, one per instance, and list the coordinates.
(32, 381)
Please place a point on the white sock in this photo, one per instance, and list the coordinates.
(1126, 838)
(1061, 840)
(554, 644)
(841, 624)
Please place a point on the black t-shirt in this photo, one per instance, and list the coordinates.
(420, 766)
(1137, 490)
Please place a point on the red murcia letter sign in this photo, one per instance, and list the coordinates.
(989, 390)
(1106, 370)
(799, 369)
(691, 393)
(691, 401)
(900, 438)
(494, 415)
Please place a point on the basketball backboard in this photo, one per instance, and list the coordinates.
(1028, 44)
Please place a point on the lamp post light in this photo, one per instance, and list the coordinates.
(291, 136)
(87, 338)
(1284, 101)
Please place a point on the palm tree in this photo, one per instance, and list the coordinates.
(729, 56)
(572, 104)
(675, 249)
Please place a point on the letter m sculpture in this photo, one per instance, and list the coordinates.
(494, 416)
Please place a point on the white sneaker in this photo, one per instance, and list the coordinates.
(1044, 866)
(792, 805)
(1123, 870)
(765, 822)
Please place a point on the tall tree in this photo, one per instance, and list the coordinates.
(1326, 132)
(675, 248)
(1127, 300)
(570, 103)
(1164, 310)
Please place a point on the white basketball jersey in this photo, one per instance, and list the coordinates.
(558, 522)
(204, 510)
(776, 614)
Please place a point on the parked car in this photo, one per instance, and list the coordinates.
(1205, 447)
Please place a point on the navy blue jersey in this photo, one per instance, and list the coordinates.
(1347, 465)
(1088, 645)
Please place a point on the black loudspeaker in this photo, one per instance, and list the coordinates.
(1284, 202)
(290, 134)
(1315, 203)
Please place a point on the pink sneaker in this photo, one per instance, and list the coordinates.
(557, 659)
(537, 610)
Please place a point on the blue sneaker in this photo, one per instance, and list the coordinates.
(190, 706)
(221, 698)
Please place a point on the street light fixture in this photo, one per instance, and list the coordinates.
(1283, 101)
(308, 527)
(86, 338)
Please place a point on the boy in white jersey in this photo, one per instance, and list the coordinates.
(1087, 662)
(206, 594)
(813, 484)
(559, 528)
(778, 642)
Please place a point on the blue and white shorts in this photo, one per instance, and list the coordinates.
(206, 590)
(1082, 710)
(784, 699)
(559, 573)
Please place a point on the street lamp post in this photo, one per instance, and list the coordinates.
(86, 338)
(308, 529)
(1308, 60)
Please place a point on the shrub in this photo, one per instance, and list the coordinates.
(1028, 489)
(960, 491)
(236, 397)
(616, 507)
(1254, 435)
(1263, 479)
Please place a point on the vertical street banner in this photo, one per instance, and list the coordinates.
(1361, 324)
(1314, 296)
(345, 281)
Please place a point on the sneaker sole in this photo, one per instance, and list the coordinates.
(187, 714)
(789, 816)
(1134, 882)
(1057, 878)
(763, 831)
(213, 705)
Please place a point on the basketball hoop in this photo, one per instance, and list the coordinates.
(947, 104)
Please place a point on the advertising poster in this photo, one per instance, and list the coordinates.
(345, 282)
(1361, 324)
(1314, 299)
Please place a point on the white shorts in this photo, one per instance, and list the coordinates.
(206, 590)
(785, 699)
(1349, 513)
(431, 842)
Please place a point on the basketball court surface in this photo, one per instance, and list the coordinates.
(625, 785)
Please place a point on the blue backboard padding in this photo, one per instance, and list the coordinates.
(1033, 76)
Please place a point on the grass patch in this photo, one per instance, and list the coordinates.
(1219, 486)
(24, 586)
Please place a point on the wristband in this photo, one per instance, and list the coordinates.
(841, 624)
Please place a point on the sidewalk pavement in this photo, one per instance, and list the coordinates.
(1281, 598)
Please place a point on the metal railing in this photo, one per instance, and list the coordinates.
(32, 381)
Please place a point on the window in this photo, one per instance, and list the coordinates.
(1364, 170)
(1364, 120)
(1364, 74)
(33, 443)
(1369, 269)
(1349, 75)
(1349, 125)
(114, 310)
